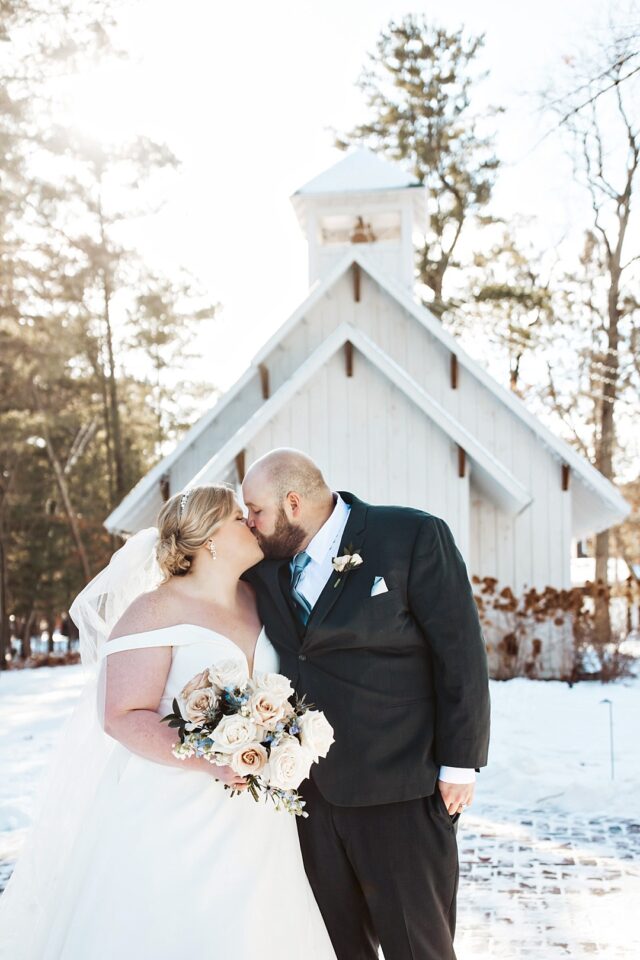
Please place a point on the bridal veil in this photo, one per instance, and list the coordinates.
(85, 764)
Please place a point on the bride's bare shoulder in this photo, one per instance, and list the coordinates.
(149, 611)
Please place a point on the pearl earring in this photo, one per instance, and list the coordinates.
(212, 550)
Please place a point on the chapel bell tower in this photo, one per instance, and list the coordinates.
(363, 200)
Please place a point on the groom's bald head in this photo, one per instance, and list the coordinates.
(284, 470)
(288, 500)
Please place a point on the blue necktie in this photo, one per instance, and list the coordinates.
(297, 566)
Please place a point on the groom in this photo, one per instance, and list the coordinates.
(390, 648)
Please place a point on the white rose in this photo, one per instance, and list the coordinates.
(228, 673)
(249, 760)
(348, 560)
(289, 764)
(316, 733)
(268, 709)
(198, 705)
(234, 731)
(273, 683)
(199, 682)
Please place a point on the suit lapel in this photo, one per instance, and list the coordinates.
(275, 581)
(353, 536)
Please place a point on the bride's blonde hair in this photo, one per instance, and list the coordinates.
(187, 521)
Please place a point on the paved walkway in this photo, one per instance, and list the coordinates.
(543, 886)
(546, 886)
(5, 872)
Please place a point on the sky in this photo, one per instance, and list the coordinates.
(247, 94)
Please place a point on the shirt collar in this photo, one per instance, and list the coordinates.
(328, 535)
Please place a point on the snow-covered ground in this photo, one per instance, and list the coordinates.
(33, 707)
(550, 747)
(548, 850)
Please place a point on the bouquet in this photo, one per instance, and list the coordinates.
(255, 725)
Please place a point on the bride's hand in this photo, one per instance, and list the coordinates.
(228, 776)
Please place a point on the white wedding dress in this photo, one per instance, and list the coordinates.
(173, 866)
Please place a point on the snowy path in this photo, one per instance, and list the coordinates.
(542, 887)
(550, 850)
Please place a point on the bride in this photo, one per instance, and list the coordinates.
(138, 854)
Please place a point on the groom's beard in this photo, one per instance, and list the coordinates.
(285, 540)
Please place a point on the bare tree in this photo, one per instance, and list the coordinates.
(601, 116)
(623, 54)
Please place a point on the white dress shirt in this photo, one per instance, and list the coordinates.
(322, 549)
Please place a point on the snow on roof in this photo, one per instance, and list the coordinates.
(360, 171)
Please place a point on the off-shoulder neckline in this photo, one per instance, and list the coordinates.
(196, 626)
(172, 626)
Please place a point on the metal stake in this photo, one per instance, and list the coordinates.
(610, 735)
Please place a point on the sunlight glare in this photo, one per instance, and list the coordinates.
(105, 104)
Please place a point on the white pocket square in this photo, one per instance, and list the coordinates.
(379, 586)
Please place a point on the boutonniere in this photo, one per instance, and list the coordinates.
(348, 561)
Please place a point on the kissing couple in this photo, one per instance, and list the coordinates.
(369, 613)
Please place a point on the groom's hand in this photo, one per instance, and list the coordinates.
(456, 796)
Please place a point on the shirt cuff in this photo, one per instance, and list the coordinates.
(457, 775)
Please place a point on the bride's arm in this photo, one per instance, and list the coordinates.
(135, 682)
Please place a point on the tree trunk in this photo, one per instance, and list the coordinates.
(107, 437)
(5, 634)
(602, 618)
(118, 452)
(27, 627)
(70, 512)
(606, 439)
(514, 374)
(63, 488)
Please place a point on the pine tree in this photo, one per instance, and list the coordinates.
(507, 305)
(418, 89)
(77, 423)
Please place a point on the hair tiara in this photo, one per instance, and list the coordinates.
(183, 502)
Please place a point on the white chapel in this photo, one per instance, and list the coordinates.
(366, 380)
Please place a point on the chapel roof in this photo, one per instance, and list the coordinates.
(360, 171)
(596, 504)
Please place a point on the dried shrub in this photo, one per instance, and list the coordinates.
(45, 660)
(514, 625)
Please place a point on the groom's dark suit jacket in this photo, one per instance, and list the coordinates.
(402, 676)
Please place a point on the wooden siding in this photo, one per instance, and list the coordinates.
(387, 464)
(369, 438)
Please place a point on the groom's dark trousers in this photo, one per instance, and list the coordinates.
(402, 678)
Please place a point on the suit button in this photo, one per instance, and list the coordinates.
(302, 656)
